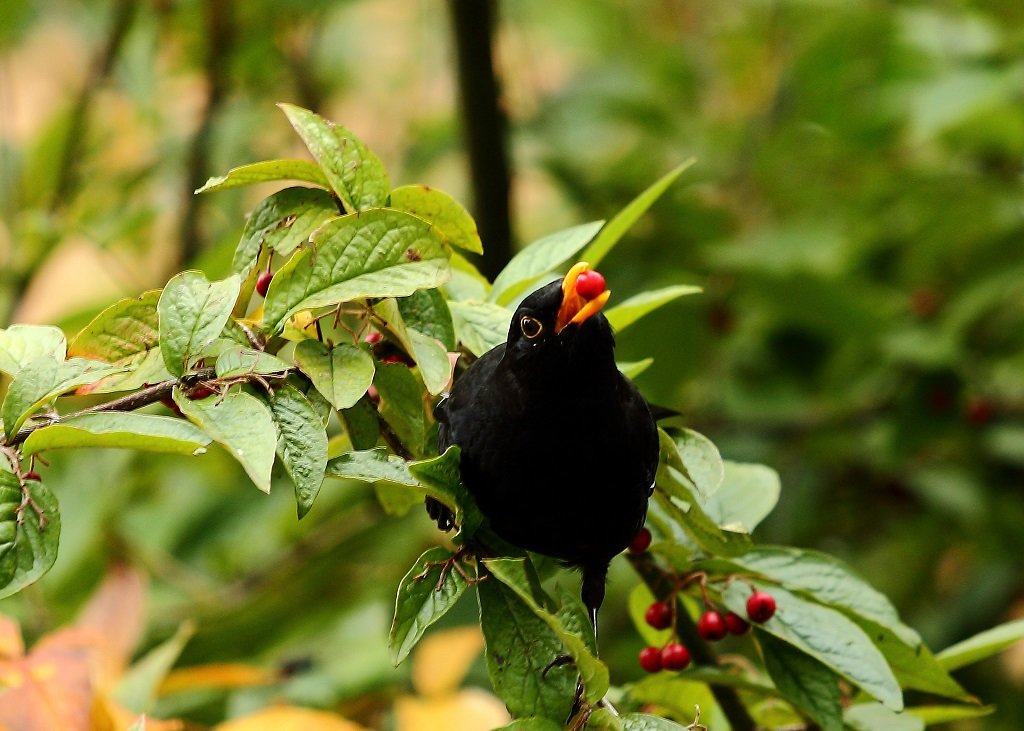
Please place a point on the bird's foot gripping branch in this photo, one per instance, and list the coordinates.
(350, 310)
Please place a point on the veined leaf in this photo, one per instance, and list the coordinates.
(193, 312)
(747, 495)
(467, 283)
(429, 353)
(539, 258)
(647, 722)
(426, 311)
(341, 374)
(42, 381)
(361, 423)
(401, 404)
(982, 645)
(803, 681)
(354, 172)
(626, 313)
(480, 326)
(694, 457)
(268, 170)
(441, 210)
(303, 443)
(876, 717)
(372, 465)
(22, 344)
(119, 430)
(424, 596)
(28, 547)
(624, 220)
(376, 253)
(238, 360)
(282, 222)
(242, 424)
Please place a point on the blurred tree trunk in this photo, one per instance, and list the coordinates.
(485, 127)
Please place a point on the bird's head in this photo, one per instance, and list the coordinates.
(561, 323)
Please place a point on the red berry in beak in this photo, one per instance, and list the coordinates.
(589, 284)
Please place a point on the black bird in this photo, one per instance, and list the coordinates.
(558, 448)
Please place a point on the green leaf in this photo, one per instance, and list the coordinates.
(632, 369)
(303, 443)
(932, 715)
(372, 465)
(520, 646)
(376, 253)
(467, 283)
(238, 360)
(42, 380)
(982, 645)
(695, 457)
(876, 717)
(119, 430)
(828, 636)
(341, 374)
(914, 665)
(282, 222)
(354, 172)
(127, 334)
(647, 722)
(137, 689)
(22, 344)
(266, 171)
(532, 724)
(676, 692)
(361, 423)
(626, 313)
(747, 495)
(512, 572)
(242, 424)
(803, 681)
(429, 353)
(480, 326)
(27, 549)
(440, 476)
(539, 258)
(624, 220)
(441, 210)
(401, 404)
(193, 312)
(424, 596)
(682, 508)
(426, 310)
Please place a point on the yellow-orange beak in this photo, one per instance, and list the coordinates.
(575, 307)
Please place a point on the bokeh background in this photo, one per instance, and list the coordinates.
(856, 218)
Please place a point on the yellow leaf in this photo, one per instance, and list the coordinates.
(287, 718)
(471, 709)
(216, 675)
(443, 659)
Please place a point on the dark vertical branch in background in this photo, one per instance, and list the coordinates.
(220, 35)
(485, 127)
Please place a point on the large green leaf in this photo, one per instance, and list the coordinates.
(242, 424)
(28, 539)
(803, 681)
(303, 443)
(361, 423)
(401, 404)
(282, 222)
(747, 495)
(341, 374)
(424, 596)
(828, 636)
(676, 692)
(22, 344)
(647, 722)
(266, 171)
(373, 465)
(876, 717)
(539, 258)
(426, 310)
(680, 505)
(513, 573)
(932, 715)
(480, 326)
(376, 253)
(913, 663)
(467, 283)
(119, 430)
(982, 645)
(520, 646)
(626, 313)
(238, 360)
(42, 380)
(430, 354)
(193, 312)
(695, 458)
(443, 211)
(354, 172)
(624, 219)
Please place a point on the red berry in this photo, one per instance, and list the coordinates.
(33, 475)
(760, 606)
(169, 403)
(641, 541)
(589, 284)
(735, 624)
(372, 338)
(373, 394)
(263, 282)
(979, 411)
(711, 626)
(199, 392)
(674, 656)
(659, 615)
(650, 659)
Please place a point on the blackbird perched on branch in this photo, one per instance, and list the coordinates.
(558, 448)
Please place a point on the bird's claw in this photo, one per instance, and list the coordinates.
(452, 562)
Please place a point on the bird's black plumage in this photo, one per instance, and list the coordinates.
(558, 448)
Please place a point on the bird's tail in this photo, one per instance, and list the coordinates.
(592, 591)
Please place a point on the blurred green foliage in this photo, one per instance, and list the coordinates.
(856, 218)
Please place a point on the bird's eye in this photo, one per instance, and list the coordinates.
(530, 326)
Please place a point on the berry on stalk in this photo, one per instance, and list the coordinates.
(711, 626)
(641, 541)
(263, 282)
(674, 656)
(659, 615)
(735, 624)
(33, 475)
(650, 659)
(760, 606)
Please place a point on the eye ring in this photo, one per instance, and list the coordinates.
(531, 326)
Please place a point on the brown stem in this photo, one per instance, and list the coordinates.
(663, 583)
